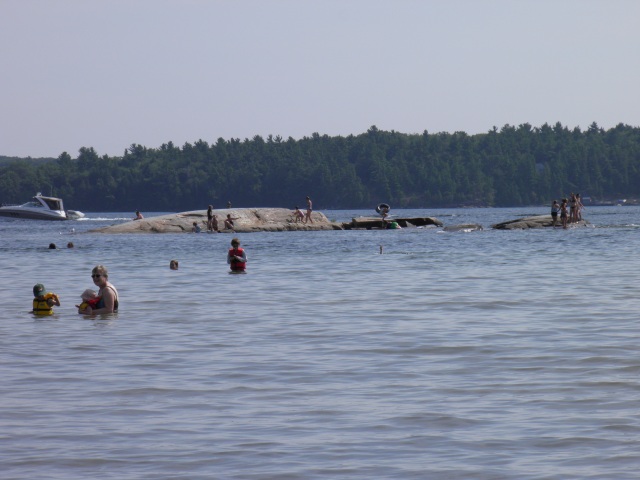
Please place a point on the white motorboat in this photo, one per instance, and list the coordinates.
(39, 208)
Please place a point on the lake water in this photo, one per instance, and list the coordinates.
(479, 355)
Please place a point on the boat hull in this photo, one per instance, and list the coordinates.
(29, 215)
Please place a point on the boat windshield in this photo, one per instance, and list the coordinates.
(53, 204)
(32, 205)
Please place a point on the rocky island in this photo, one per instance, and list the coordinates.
(253, 220)
(248, 220)
(245, 220)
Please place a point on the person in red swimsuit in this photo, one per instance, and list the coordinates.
(237, 257)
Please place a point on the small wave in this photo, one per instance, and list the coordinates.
(102, 219)
(617, 226)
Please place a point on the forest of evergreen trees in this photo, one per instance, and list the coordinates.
(512, 166)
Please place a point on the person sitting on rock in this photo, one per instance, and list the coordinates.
(298, 215)
(228, 222)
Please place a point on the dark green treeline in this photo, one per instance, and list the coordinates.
(513, 166)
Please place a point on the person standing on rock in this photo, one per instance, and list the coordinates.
(210, 218)
(579, 207)
(237, 257)
(307, 217)
(563, 213)
(573, 208)
(555, 208)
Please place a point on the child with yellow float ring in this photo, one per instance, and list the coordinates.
(44, 301)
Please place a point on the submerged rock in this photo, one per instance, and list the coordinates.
(465, 227)
(536, 221)
(245, 220)
(368, 223)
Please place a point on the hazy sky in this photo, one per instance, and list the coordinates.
(110, 73)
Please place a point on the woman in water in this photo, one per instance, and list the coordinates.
(107, 293)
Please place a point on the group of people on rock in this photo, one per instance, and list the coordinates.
(212, 221)
(304, 217)
(570, 211)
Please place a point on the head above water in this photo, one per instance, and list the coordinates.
(173, 265)
(235, 242)
(38, 290)
(88, 294)
(100, 271)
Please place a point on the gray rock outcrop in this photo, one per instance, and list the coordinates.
(536, 221)
(246, 220)
(368, 223)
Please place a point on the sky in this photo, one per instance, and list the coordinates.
(111, 73)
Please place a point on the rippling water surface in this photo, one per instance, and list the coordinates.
(478, 355)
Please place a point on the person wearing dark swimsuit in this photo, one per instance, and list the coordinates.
(108, 294)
